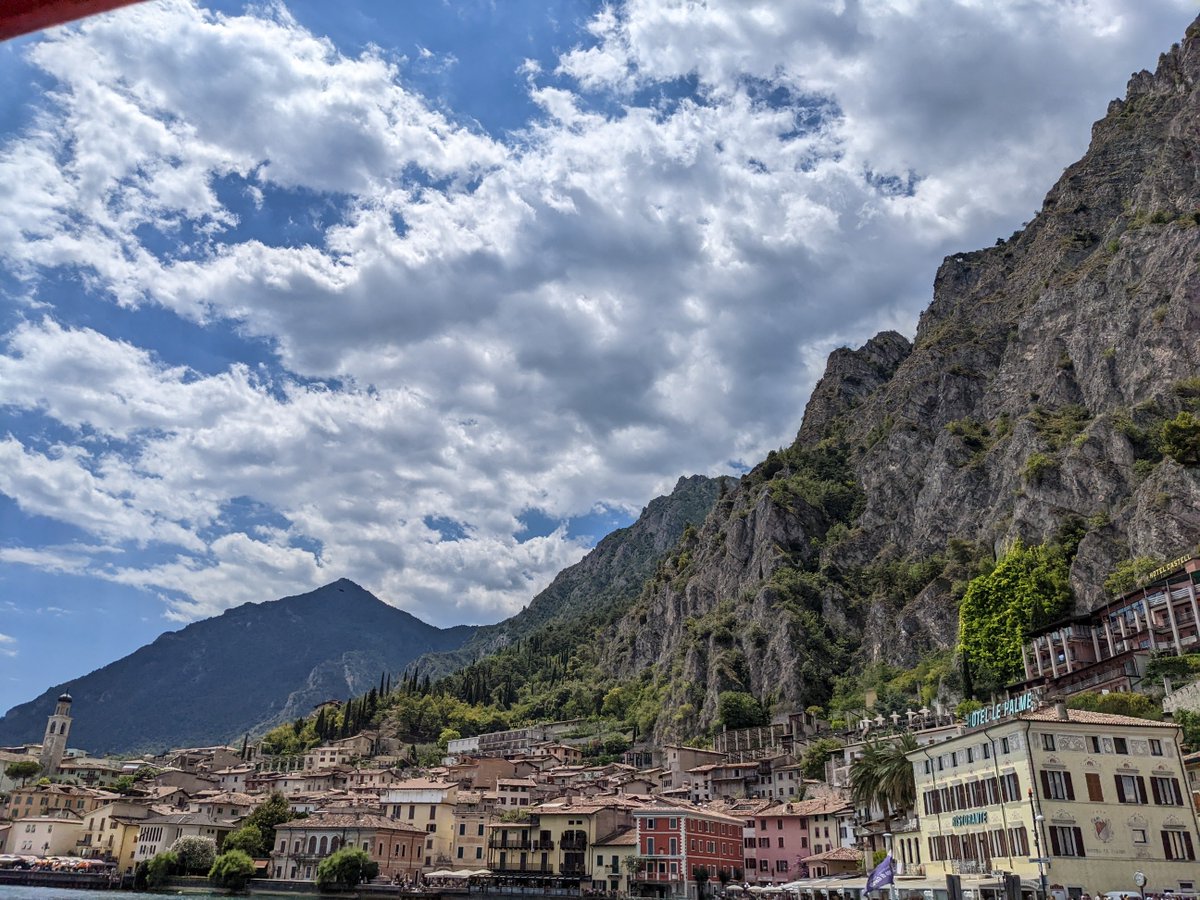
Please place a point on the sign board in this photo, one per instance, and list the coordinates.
(972, 818)
(1002, 710)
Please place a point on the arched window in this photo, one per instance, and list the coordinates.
(52, 724)
(312, 844)
(324, 847)
(334, 844)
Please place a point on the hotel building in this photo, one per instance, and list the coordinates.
(1096, 797)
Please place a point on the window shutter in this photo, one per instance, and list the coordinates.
(1166, 839)
(1070, 789)
(1175, 790)
(1095, 790)
(1155, 790)
(1045, 784)
(1054, 847)
(1187, 844)
(1141, 789)
(1079, 851)
(1120, 789)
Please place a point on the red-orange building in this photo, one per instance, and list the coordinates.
(675, 840)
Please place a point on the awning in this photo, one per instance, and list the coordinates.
(23, 16)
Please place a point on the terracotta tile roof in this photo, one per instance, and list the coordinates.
(816, 807)
(366, 820)
(837, 854)
(624, 837)
(1087, 717)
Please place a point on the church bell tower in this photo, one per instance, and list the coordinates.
(54, 743)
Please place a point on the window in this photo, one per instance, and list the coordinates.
(1094, 744)
(650, 825)
(1003, 745)
(1178, 845)
(1156, 748)
(780, 843)
(1120, 745)
(650, 846)
(1140, 836)
(928, 767)
(1094, 789)
(1047, 742)
(1066, 841)
(985, 751)
(672, 823)
(1166, 791)
(1130, 788)
(1057, 785)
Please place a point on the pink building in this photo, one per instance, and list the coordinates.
(786, 834)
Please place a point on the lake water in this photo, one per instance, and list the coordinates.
(23, 892)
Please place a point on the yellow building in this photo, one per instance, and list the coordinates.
(1096, 797)
(428, 806)
(559, 840)
(110, 832)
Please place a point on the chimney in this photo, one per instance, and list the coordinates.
(1060, 710)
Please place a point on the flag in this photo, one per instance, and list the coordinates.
(884, 873)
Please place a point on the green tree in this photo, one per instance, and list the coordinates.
(159, 868)
(23, 769)
(248, 839)
(1027, 589)
(1190, 723)
(273, 812)
(812, 761)
(737, 709)
(344, 869)
(124, 784)
(1179, 438)
(700, 874)
(231, 870)
(195, 854)
(1117, 703)
(883, 777)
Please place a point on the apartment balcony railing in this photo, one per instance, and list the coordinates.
(501, 842)
(529, 867)
(573, 844)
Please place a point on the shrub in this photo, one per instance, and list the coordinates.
(248, 839)
(1179, 438)
(159, 868)
(230, 871)
(344, 869)
(194, 854)
(1037, 467)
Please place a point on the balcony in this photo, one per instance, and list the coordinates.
(573, 869)
(574, 843)
(504, 842)
(511, 866)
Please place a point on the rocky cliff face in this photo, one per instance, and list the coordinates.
(607, 579)
(1026, 400)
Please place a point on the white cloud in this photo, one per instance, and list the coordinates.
(580, 313)
(8, 645)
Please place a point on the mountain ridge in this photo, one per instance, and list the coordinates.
(148, 700)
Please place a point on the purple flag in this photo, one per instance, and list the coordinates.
(884, 873)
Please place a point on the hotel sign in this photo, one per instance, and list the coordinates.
(1166, 569)
(975, 818)
(1001, 710)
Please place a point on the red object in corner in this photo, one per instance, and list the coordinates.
(23, 16)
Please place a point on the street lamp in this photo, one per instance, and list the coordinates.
(887, 843)
(1038, 819)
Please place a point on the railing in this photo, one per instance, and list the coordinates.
(511, 866)
(500, 843)
(573, 869)
(573, 843)
(913, 869)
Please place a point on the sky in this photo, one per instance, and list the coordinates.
(433, 295)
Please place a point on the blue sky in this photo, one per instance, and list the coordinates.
(434, 295)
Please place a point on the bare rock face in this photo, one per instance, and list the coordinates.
(1025, 401)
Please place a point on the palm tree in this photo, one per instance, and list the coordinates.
(883, 776)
